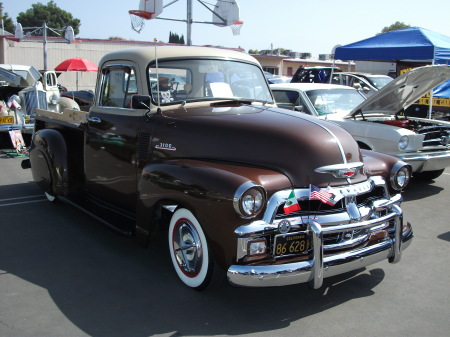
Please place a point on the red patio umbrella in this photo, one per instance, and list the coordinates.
(76, 64)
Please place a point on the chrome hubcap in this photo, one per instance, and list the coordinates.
(187, 248)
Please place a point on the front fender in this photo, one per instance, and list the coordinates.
(49, 161)
(380, 164)
(207, 189)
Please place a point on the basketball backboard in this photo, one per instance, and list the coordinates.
(18, 33)
(225, 13)
(69, 34)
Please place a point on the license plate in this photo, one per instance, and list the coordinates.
(7, 120)
(290, 244)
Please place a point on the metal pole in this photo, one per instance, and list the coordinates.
(44, 29)
(189, 22)
(430, 107)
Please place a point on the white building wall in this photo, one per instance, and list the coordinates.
(32, 53)
(374, 67)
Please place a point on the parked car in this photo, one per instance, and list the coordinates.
(84, 98)
(379, 123)
(22, 90)
(279, 79)
(368, 84)
(313, 74)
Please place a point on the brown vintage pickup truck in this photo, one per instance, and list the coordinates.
(189, 140)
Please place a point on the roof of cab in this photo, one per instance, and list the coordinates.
(146, 55)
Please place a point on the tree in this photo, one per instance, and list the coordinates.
(7, 21)
(51, 14)
(175, 38)
(395, 26)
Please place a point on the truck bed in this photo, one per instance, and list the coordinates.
(70, 118)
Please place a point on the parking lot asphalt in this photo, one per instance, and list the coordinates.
(63, 274)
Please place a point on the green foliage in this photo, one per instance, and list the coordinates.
(51, 14)
(7, 21)
(175, 38)
(253, 51)
(395, 26)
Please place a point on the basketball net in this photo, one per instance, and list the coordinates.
(236, 27)
(137, 19)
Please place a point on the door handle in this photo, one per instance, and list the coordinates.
(93, 119)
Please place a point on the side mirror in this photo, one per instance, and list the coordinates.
(140, 102)
(299, 108)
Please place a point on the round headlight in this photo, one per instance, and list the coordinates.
(249, 200)
(55, 99)
(403, 143)
(400, 176)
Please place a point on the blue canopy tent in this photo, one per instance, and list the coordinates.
(406, 45)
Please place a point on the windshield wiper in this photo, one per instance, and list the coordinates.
(239, 101)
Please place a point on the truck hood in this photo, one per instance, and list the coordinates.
(404, 90)
(291, 143)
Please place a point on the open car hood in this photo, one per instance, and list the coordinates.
(18, 75)
(404, 90)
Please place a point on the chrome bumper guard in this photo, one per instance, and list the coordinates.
(321, 266)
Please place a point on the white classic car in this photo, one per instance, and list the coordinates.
(21, 92)
(379, 122)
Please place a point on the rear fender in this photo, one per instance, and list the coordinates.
(49, 161)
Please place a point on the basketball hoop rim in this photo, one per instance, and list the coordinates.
(142, 14)
(238, 22)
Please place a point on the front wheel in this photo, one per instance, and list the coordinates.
(189, 250)
(428, 175)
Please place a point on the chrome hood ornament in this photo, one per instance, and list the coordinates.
(342, 171)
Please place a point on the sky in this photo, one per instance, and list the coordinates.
(314, 27)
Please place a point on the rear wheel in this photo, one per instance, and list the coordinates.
(189, 250)
(428, 175)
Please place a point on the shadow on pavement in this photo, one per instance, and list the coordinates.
(108, 286)
(419, 189)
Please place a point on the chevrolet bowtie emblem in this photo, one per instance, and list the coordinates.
(342, 171)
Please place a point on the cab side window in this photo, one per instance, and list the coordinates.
(118, 85)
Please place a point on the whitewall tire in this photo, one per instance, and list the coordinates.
(189, 250)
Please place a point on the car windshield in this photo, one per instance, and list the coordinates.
(380, 81)
(339, 101)
(179, 81)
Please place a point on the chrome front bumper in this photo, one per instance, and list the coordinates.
(310, 271)
(325, 262)
(427, 161)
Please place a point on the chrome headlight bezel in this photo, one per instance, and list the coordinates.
(249, 200)
(403, 143)
(400, 176)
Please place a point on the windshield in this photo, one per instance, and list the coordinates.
(339, 101)
(380, 81)
(193, 80)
